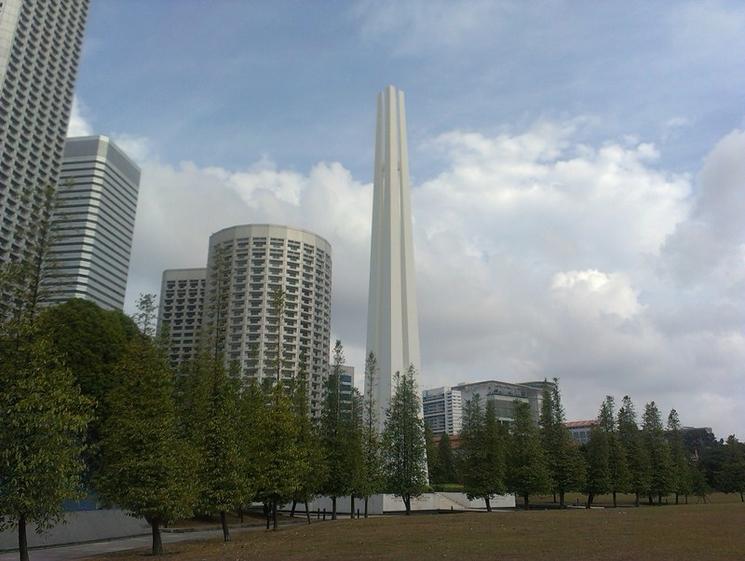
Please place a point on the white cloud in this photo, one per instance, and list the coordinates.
(537, 256)
(78, 125)
(415, 26)
(595, 293)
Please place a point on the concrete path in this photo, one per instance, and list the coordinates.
(80, 551)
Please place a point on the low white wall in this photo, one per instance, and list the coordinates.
(82, 526)
(387, 503)
(497, 501)
(374, 505)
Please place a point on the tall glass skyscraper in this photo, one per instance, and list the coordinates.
(40, 44)
(92, 225)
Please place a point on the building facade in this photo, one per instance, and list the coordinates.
(92, 224)
(40, 44)
(581, 430)
(346, 389)
(443, 410)
(392, 321)
(180, 312)
(504, 395)
(236, 299)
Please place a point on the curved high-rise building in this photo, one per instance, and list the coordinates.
(246, 266)
(392, 324)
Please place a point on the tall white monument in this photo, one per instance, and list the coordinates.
(392, 325)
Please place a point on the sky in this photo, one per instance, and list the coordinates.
(578, 173)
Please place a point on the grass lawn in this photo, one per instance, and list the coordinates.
(681, 533)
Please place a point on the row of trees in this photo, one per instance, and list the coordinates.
(90, 404)
(528, 458)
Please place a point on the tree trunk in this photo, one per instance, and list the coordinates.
(333, 508)
(590, 497)
(651, 500)
(225, 529)
(676, 498)
(292, 510)
(240, 513)
(22, 541)
(366, 507)
(615, 501)
(157, 541)
(307, 512)
(267, 513)
(274, 514)
(562, 501)
(407, 504)
(351, 506)
(636, 498)
(488, 503)
(659, 498)
(554, 497)
(526, 503)
(742, 497)
(686, 499)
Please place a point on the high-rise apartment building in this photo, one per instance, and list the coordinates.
(40, 44)
(443, 410)
(246, 267)
(92, 224)
(392, 322)
(181, 309)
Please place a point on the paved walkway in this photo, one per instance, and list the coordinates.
(80, 551)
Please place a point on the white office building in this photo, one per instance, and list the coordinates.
(504, 395)
(92, 224)
(40, 44)
(443, 410)
(180, 311)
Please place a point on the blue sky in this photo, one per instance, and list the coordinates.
(220, 83)
(578, 172)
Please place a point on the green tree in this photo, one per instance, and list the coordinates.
(433, 460)
(220, 478)
(681, 483)
(731, 478)
(618, 468)
(147, 468)
(89, 340)
(253, 408)
(353, 429)
(404, 450)
(699, 486)
(310, 452)
(597, 454)
(278, 457)
(446, 461)
(565, 462)
(632, 443)
(337, 482)
(41, 435)
(658, 450)
(482, 451)
(44, 415)
(527, 471)
(371, 470)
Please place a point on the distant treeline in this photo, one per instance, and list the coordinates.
(649, 459)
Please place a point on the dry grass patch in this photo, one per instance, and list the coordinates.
(712, 532)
